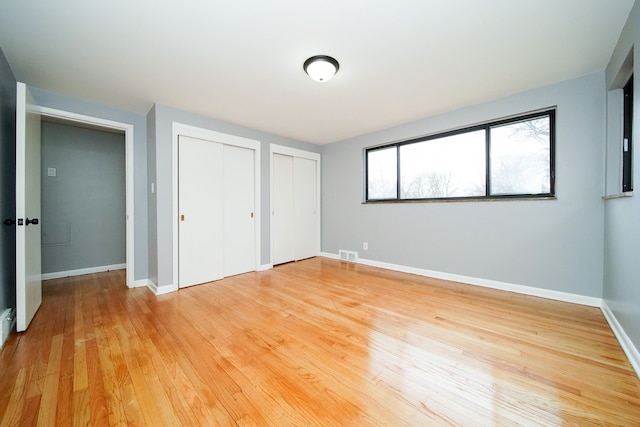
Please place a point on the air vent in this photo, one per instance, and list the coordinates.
(348, 256)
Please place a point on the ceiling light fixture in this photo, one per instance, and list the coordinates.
(321, 67)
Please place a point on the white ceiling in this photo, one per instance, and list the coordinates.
(241, 61)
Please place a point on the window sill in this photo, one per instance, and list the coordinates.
(462, 199)
(618, 196)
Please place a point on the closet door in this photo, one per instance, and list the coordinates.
(305, 208)
(200, 194)
(282, 212)
(238, 205)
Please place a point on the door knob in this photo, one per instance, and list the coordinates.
(9, 221)
(33, 221)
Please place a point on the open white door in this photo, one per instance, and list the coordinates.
(28, 261)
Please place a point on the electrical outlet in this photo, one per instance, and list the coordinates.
(365, 246)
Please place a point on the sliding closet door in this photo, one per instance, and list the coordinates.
(282, 213)
(294, 208)
(305, 209)
(238, 202)
(200, 192)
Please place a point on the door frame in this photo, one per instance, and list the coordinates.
(178, 129)
(127, 128)
(294, 152)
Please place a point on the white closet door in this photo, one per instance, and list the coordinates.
(305, 208)
(239, 209)
(282, 213)
(200, 194)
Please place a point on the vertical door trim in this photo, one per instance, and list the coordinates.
(178, 129)
(129, 186)
(294, 152)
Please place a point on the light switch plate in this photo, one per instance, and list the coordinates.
(52, 172)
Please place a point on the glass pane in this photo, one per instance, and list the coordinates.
(382, 174)
(520, 158)
(453, 166)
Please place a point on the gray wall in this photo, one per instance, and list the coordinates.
(161, 151)
(53, 100)
(549, 244)
(84, 204)
(7, 184)
(622, 216)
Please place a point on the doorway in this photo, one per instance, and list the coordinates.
(83, 199)
(83, 121)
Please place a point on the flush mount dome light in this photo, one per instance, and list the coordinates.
(321, 67)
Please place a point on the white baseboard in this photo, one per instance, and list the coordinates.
(164, 289)
(625, 342)
(493, 284)
(141, 283)
(329, 255)
(82, 271)
(265, 267)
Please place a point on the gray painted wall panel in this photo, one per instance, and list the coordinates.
(164, 117)
(622, 224)
(83, 205)
(549, 244)
(73, 105)
(7, 184)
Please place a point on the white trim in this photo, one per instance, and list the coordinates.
(294, 152)
(178, 129)
(129, 141)
(82, 271)
(493, 284)
(265, 267)
(142, 283)
(152, 287)
(625, 342)
(161, 290)
(618, 196)
(329, 255)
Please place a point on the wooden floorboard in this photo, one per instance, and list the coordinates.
(313, 343)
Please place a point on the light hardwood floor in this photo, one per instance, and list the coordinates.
(319, 343)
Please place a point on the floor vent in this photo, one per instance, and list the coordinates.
(348, 256)
(6, 324)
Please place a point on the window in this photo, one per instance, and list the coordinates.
(381, 177)
(627, 112)
(507, 158)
